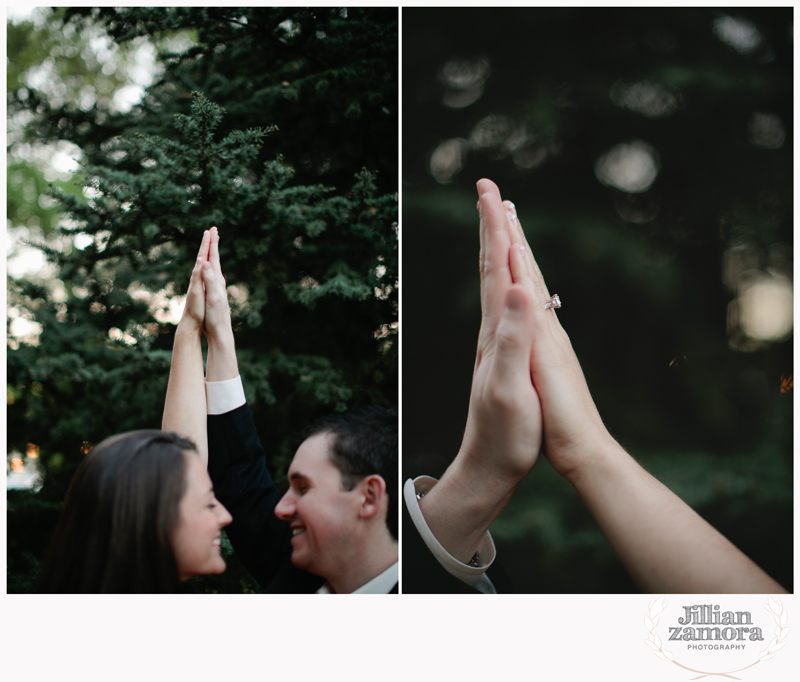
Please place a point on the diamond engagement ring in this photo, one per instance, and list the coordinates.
(554, 302)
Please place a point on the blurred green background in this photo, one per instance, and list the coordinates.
(649, 154)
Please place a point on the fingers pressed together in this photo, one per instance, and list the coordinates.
(494, 238)
(507, 260)
(212, 271)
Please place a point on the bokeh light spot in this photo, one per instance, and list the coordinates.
(492, 131)
(646, 98)
(740, 34)
(448, 159)
(631, 167)
(766, 130)
(463, 80)
(766, 305)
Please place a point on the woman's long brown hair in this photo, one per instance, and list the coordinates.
(122, 507)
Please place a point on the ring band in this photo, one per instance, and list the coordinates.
(554, 302)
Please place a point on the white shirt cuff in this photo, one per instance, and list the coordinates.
(224, 396)
(465, 573)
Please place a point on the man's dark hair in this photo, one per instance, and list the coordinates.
(364, 443)
(121, 511)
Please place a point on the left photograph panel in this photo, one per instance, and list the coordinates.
(202, 304)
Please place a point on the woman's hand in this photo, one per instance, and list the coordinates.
(573, 429)
(194, 310)
(185, 404)
(217, 311)
(664, 543)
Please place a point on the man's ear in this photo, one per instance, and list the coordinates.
(373, 489)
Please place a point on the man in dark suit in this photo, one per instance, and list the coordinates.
(335, 529)
(237, 467)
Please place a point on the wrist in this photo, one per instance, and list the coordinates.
(220, 339)
(460, 508)
(600, 461)
(476, 469)
(189, 327)
(222, 364)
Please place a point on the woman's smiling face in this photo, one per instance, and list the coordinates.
(196, 540)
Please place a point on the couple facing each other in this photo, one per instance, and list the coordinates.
(145, 509)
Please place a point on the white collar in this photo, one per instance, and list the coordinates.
(380, 584)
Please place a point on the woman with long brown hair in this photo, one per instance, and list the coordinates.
(140, 514)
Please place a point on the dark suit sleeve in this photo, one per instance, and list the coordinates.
(238, 469)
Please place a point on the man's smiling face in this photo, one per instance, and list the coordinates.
(322, 515)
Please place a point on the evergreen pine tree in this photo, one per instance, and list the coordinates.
(280, 127)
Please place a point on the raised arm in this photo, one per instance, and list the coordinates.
(237, 462)
(665, 545)
(222, 364)
(504, 427)
(185, 405)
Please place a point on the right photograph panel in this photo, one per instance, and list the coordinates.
(597, 300)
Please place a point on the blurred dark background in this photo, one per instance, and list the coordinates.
(649, 154)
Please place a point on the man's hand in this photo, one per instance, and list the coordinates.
(222, 364)
(217, 312)
(504, 427)
(194, 311)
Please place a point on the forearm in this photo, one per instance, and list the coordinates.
(462, 506)
(185, 405)
(665, 545)
(222, 364)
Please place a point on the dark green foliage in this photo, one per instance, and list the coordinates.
(641, 274)
(300, 179)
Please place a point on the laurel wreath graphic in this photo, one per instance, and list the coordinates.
(776, 643)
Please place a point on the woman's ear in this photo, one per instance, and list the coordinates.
(373, 489)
